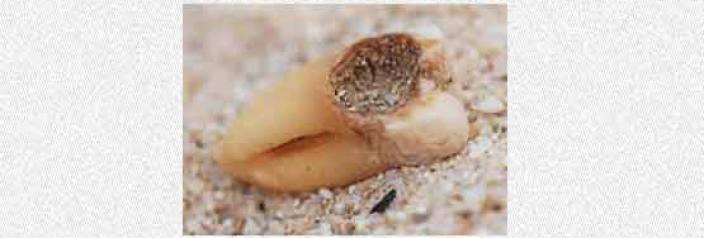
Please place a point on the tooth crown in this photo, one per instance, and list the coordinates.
(376, 75)
(382, 84)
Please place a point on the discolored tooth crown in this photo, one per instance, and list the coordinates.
(377, 75)
(391, 89)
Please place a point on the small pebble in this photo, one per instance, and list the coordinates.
(325, 193)
(490, 105)
(420, 214)
(251, 227)
(339, 208)
(475, 194)
(351, 189)
(227, 224)
(345, 228)
(276, 228)
(238, 226)
(361, 226)
(325, 229)
(472, 116)
(397, 217)
(296, 202)
(474, 131)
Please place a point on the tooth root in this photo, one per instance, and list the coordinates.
(290, 139)
(329, 161)
(294, 107)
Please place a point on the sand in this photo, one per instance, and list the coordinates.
(232, 51)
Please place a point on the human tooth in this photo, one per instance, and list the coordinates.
(382, 103)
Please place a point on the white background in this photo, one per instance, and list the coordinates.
(606, 119)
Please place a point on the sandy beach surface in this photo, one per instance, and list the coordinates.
(232, 51)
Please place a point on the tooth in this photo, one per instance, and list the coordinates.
(290, 139)
(383, 103)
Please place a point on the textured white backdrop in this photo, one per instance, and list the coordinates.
(606, 119)
(90, 119)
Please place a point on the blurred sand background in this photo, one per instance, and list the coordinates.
(231, 51)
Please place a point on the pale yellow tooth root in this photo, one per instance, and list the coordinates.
(289, 139)
(292, 108)
(327, 161)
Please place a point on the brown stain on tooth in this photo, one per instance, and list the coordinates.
(376, 75)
